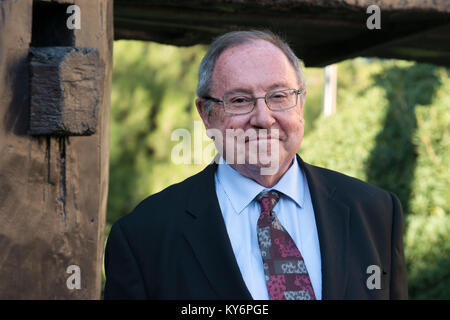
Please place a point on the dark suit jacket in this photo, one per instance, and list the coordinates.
(174, 245)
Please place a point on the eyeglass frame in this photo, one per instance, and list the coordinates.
(296, 91)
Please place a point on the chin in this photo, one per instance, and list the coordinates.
(264, 160)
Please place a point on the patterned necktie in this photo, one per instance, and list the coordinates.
(284, 268)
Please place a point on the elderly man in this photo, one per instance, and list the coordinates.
(238, 230)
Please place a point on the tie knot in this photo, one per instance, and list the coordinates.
(268, 199)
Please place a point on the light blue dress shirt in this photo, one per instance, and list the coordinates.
(236, 195)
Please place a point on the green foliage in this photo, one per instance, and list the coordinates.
(427, 241)
(314, 93)
(392, 130)
(344, 141)
(405, 87)
(153, 93)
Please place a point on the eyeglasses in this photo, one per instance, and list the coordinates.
(241, 103)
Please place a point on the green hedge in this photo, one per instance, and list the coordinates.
(392, 130)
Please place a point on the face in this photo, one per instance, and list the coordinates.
(255, 68)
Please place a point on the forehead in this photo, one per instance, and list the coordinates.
(257, 65)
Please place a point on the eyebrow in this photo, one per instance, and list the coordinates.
(248, 91)
(278, 86)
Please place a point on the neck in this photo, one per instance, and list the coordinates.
(254, 172)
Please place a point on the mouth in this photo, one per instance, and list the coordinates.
(265, 138)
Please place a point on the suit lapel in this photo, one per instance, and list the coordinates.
(332, 220)
(209, 240)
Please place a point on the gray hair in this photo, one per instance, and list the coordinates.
(233, 39)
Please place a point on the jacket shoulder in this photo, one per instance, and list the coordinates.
(351, 188)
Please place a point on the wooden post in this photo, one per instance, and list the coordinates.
(54, 183)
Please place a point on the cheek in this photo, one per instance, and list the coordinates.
(299, 129)
(294, 123)
(222, 121)
(219, 123)
(294, 129)
(302, 125)
(217, 119)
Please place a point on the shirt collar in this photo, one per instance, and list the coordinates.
(242, 190)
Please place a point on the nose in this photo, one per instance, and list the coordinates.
(262, 116)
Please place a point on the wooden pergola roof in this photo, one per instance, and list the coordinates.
(320, 31)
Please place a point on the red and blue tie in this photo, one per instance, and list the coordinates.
(284, 268)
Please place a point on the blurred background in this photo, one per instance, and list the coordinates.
(391, 128)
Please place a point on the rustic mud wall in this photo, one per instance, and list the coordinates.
(53, 188)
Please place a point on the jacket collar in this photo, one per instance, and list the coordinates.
(332, 220)
(209, 240)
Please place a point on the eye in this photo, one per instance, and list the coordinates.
(240, 99)
(278, 95)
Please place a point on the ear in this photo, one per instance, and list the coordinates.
(199, 103)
